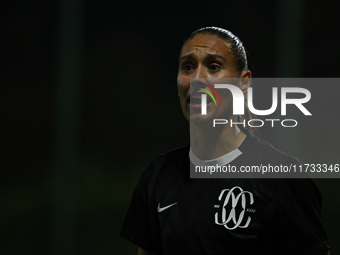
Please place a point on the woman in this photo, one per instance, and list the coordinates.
(173, 214)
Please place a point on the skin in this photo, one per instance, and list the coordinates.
(207, 56)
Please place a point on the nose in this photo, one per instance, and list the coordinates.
(200, 72)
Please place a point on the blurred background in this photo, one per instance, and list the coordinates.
(89, 98)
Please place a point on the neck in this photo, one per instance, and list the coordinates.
(213, 142)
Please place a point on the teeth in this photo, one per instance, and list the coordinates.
(196, 96)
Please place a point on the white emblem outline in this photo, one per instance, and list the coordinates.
(234, 202)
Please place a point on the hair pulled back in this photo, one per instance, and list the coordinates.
(234, 43)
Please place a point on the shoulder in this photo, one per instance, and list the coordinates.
(174, 153)
(172, 157)
(302, 186)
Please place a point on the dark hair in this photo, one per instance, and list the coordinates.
(236, 46)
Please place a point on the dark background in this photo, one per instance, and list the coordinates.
(89, 98)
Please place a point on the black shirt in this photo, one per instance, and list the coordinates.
(173, 214)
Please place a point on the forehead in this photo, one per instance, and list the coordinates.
(206, 43)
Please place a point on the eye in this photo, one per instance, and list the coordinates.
(214, 67)
(187, 67)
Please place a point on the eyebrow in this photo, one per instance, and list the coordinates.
(186, 56)
(208, 56)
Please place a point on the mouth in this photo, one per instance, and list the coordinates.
(195, 100)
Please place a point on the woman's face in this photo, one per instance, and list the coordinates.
(203, 56)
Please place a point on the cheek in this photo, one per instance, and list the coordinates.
(183, 84)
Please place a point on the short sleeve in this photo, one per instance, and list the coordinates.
(137, 225)
(299, 223)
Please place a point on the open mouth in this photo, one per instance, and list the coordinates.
(196, 99)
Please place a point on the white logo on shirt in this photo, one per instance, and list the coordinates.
(231, 215)
(161, 209)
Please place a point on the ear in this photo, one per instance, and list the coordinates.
(246, 80)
